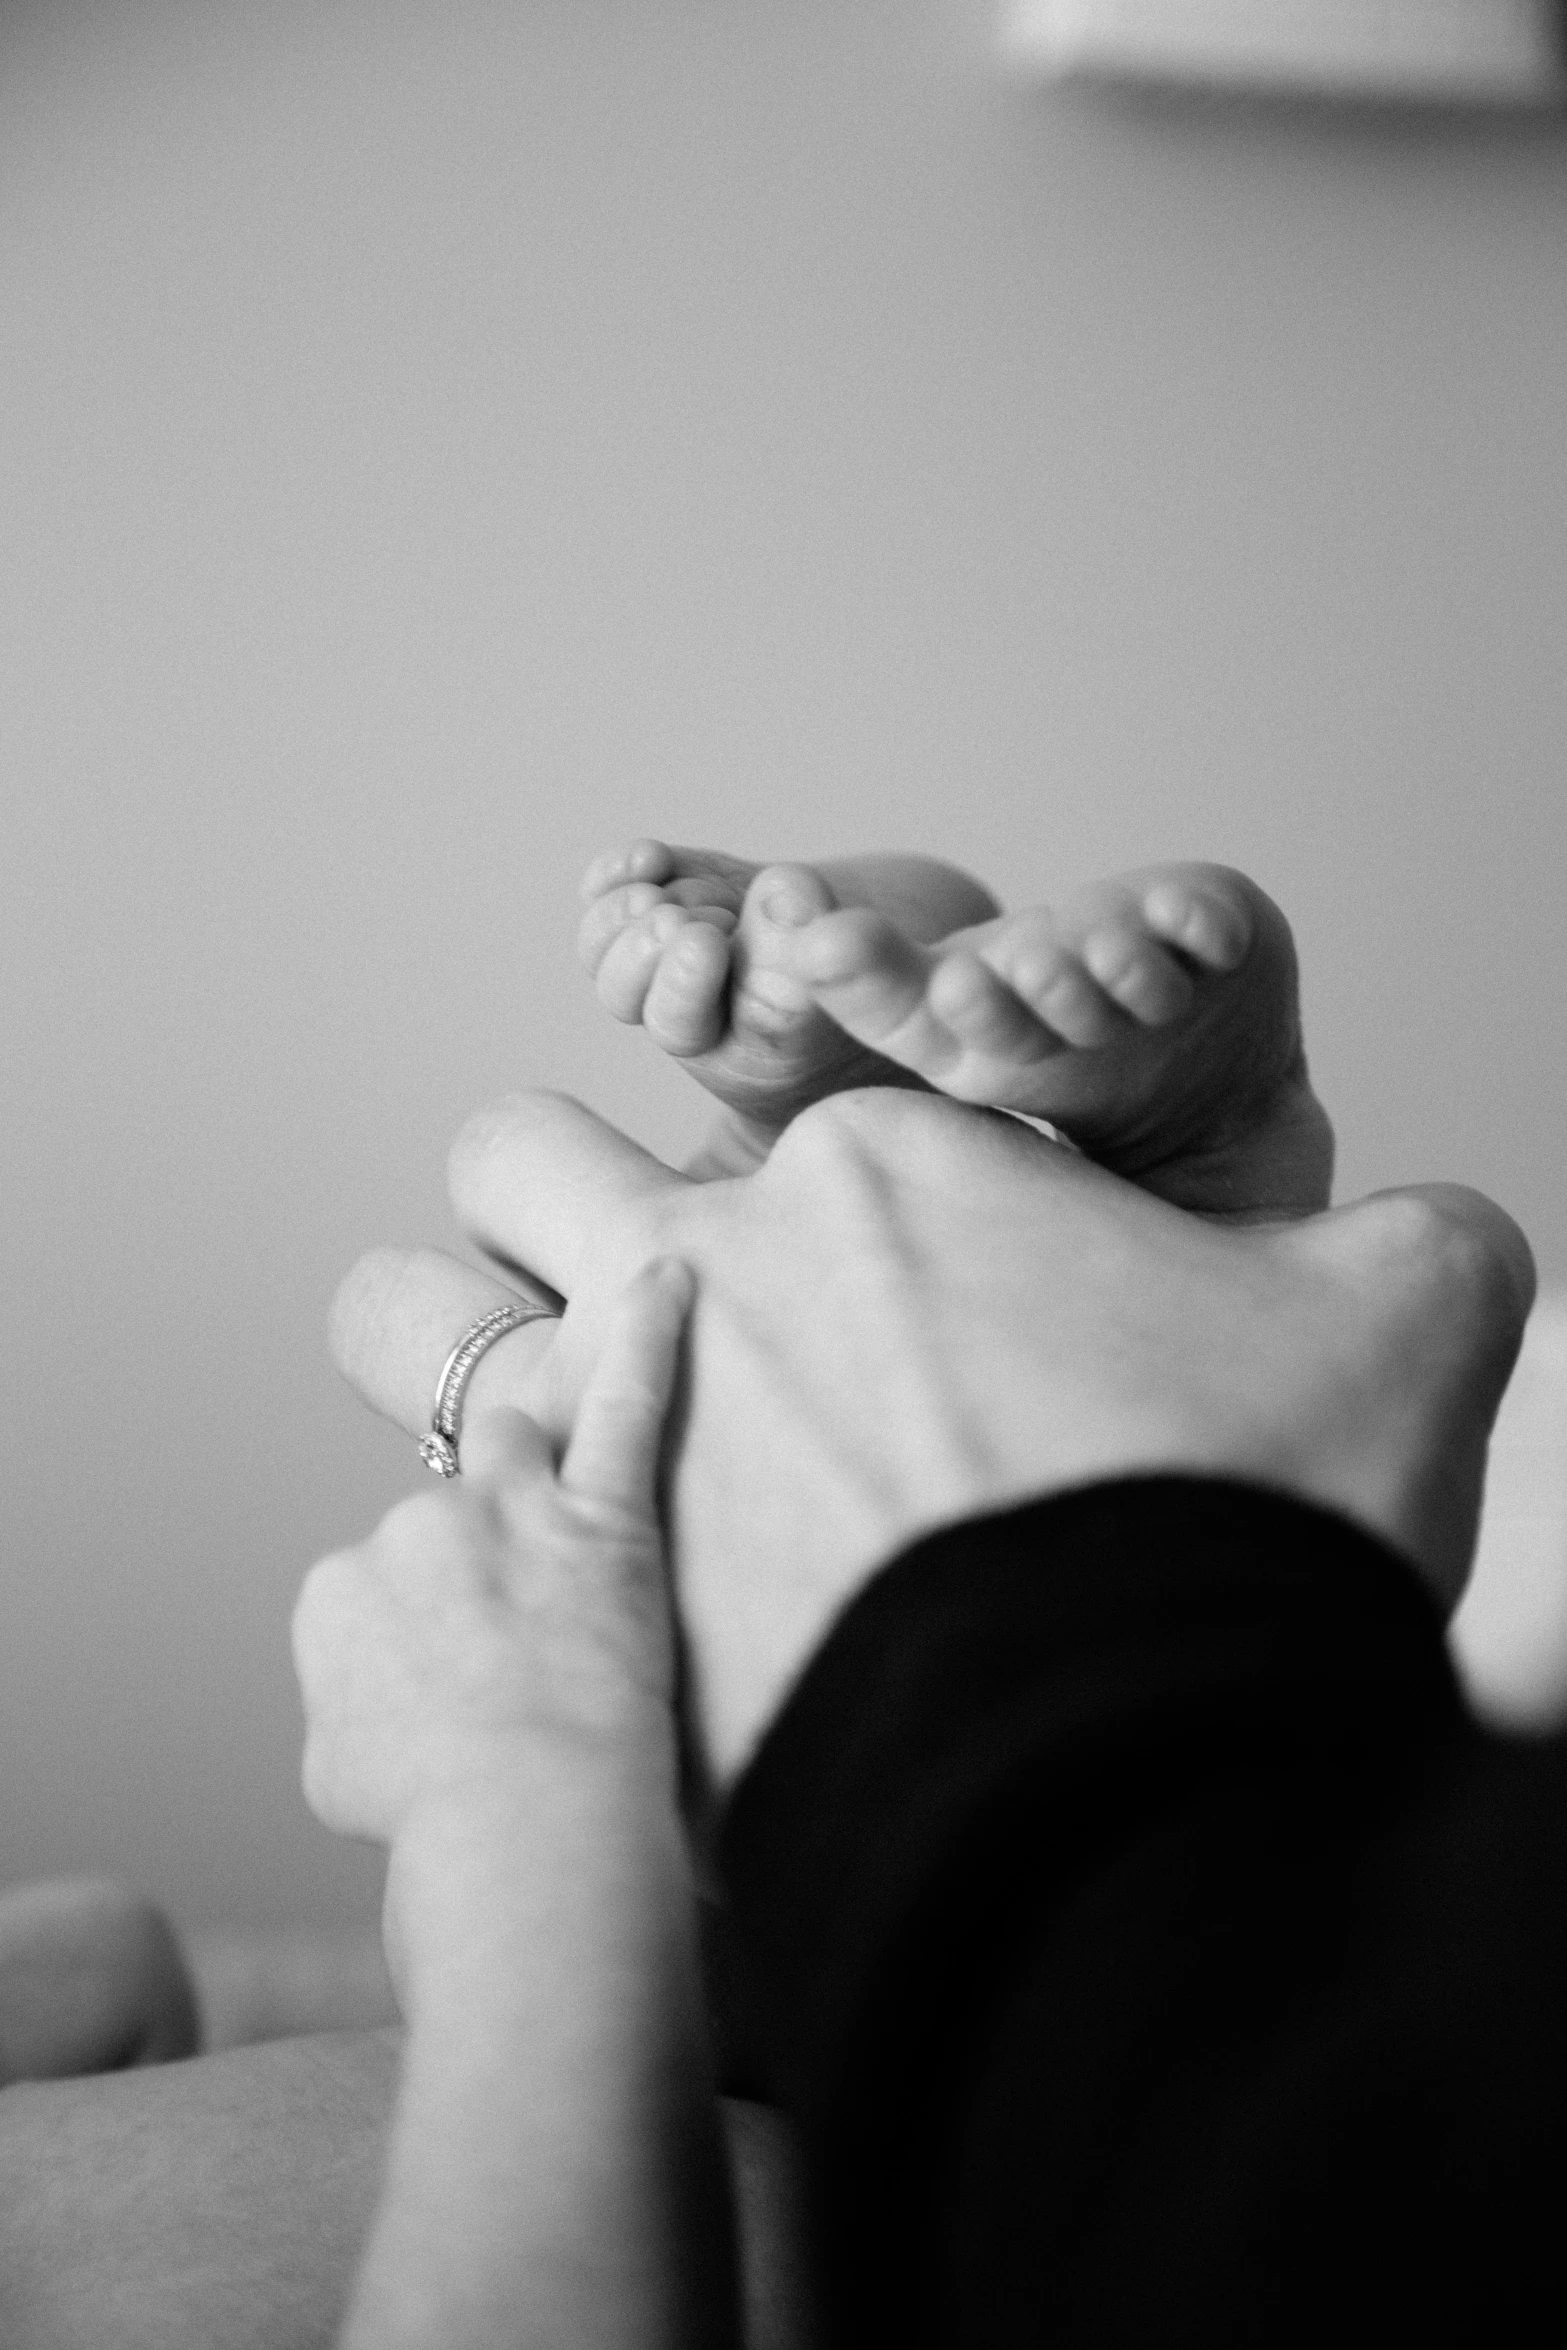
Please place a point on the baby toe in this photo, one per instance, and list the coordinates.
(626, 970)
(612, 914)
(685, 1010)
(644, 859)
(785, 897)
(1213, 929)
(852, 944)
(1055, 987)
(1137, 973)
(706, 893)
(984, 1013)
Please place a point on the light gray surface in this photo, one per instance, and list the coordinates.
(437, 440)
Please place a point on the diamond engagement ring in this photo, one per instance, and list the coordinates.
(438, 1450)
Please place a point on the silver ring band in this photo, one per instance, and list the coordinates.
(438, 1450)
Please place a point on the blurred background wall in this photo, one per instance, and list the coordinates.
(439, 438)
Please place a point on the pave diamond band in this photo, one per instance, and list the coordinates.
(438, 1450)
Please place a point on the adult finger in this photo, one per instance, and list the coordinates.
(537, 1180)
(613, 1453)
(400, 1312)
(506, 1445)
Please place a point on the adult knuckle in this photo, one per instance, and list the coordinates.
(836, 1135)
(862, 1145)
(1454, 1248)
(1421, 1232)
(1483, 1253)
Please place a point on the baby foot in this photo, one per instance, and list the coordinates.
(1155, 1018)
(693, 945)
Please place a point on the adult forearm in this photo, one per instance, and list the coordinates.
(1117, 1884)
(554, 2175)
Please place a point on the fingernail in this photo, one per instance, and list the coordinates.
(788, 905)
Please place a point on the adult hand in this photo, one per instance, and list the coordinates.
(916, 1311)
(523, 1607)
(488, 1687)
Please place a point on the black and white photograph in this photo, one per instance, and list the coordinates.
(783, 1174)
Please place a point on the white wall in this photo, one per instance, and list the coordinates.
(437, 439)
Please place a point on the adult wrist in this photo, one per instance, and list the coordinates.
(476, 1862)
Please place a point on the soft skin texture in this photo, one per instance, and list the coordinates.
(1154, 1016)
(227, 2200)
(489, 1687)
(914, 1311)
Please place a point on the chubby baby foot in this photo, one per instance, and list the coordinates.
(694, 946)
(1154, 1017)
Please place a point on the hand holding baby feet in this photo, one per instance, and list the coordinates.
(1154, 1017)
(693, 945)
